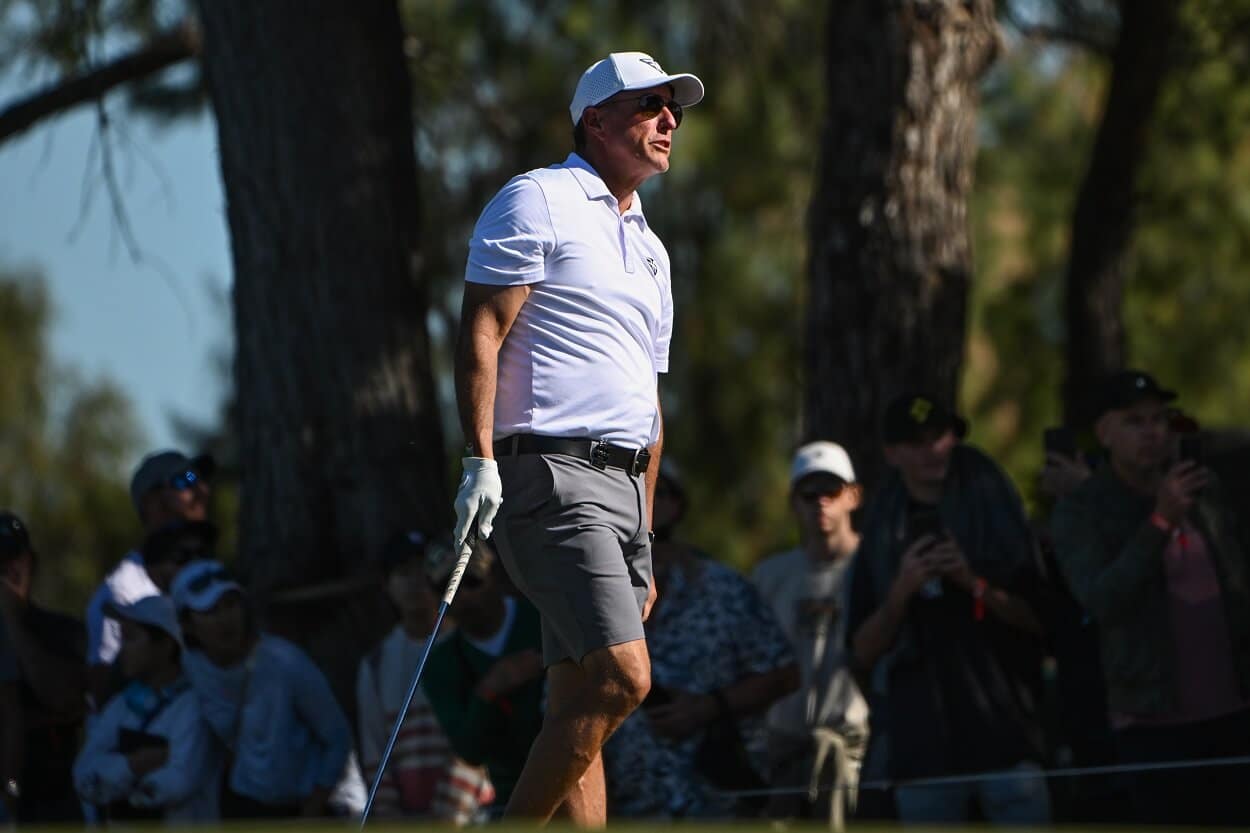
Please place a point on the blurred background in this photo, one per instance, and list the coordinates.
(245, 232)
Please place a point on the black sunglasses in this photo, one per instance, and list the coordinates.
(814, 494)
(183, 480)
(650, 105)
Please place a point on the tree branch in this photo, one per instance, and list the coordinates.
(1065, 35)
(171, 47)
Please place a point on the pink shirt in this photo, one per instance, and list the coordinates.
(1207, 685)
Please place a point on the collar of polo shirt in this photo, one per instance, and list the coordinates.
(597, 189)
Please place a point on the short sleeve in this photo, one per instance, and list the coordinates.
(665, 335)
(761, 644)
(513, 237)
(103, 641)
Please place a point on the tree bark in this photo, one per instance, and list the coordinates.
(1102, 222)
(891, 258)
(171, 47)
(339, 436)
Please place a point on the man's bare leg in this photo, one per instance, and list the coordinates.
(586, 805)
(585, 705)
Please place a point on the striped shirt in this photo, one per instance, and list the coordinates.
(423, 777)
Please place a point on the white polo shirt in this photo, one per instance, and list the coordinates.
(582, 357)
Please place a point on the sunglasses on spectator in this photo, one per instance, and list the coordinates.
(813, 494)
(650, 105)
(183, 480)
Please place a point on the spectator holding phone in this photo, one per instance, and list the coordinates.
(946, 645)
(1149, 546)
(149, 754)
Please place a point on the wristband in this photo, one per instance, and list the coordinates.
(978, 599)
(1161, 523)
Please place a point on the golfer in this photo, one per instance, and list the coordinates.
(565, 325)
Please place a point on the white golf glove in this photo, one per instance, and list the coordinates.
(479, 498)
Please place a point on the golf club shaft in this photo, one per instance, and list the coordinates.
(453, 583)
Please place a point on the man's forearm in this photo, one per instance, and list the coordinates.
(877, 635)
(1012, 610)
(758, 691)
(477, 366)
(656, 450)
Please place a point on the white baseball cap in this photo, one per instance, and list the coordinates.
(200, 584)
(157, 611)
(622, 71)
(822, 458)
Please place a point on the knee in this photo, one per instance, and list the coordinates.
(623, 682)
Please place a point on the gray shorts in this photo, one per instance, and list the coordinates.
(573, 539)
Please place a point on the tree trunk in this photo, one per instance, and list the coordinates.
(891, 257)
(1102, 221)
(340, 442)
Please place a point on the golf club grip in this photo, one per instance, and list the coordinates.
(462, 564)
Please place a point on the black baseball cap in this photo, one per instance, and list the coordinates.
(158, 468)
(910, 416)
(1125, 388)
(402, 547)
(14, 537)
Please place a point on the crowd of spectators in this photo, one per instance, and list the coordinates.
(926, 653)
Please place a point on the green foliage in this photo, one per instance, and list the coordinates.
(65, 445)
(1190, 264)
(1186, 290)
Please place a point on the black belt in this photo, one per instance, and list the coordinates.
(601, 454)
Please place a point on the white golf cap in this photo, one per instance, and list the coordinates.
(200, 584)
(622, 71)
(822, 458)
(157, 611)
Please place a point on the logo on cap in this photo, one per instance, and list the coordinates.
(920, 409)
(651, 63)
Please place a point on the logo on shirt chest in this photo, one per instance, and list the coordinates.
(652, 266)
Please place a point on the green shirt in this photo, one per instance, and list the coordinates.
(498, 734)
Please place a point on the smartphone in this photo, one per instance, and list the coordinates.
(1190, 448)
(922, 522)
(1060, 440)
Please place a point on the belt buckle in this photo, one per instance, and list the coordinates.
(599, 455)
(642, 462)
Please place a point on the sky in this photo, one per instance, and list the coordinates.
(155, 331)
